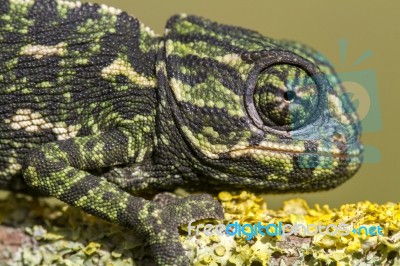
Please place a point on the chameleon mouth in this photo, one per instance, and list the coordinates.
(354, 153)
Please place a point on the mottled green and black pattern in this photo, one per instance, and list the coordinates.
(95, 108)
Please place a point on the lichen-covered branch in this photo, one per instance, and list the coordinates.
(47, 232)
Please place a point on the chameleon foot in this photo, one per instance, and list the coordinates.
(164, 238)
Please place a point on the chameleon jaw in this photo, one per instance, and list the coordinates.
(276, 152)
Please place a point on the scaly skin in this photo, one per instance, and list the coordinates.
(96, 109)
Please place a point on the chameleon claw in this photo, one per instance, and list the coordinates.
(164, 238)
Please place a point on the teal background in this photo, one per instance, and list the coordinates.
(360, 26)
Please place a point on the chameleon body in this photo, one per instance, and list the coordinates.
(96, 109)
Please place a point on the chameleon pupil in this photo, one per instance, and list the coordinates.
(289, 96)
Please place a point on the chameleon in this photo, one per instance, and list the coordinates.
(98, 111)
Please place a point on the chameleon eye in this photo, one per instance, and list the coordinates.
(285, 97)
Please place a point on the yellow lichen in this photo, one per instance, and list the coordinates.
(353, 248)
(86, 239)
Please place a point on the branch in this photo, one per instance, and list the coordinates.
(47, 232)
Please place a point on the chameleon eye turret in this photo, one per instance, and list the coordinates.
(285, 96)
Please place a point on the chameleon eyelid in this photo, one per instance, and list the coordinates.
(275, 57)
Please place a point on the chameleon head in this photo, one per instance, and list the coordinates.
(257, 112)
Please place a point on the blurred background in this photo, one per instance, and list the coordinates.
(360, 38)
